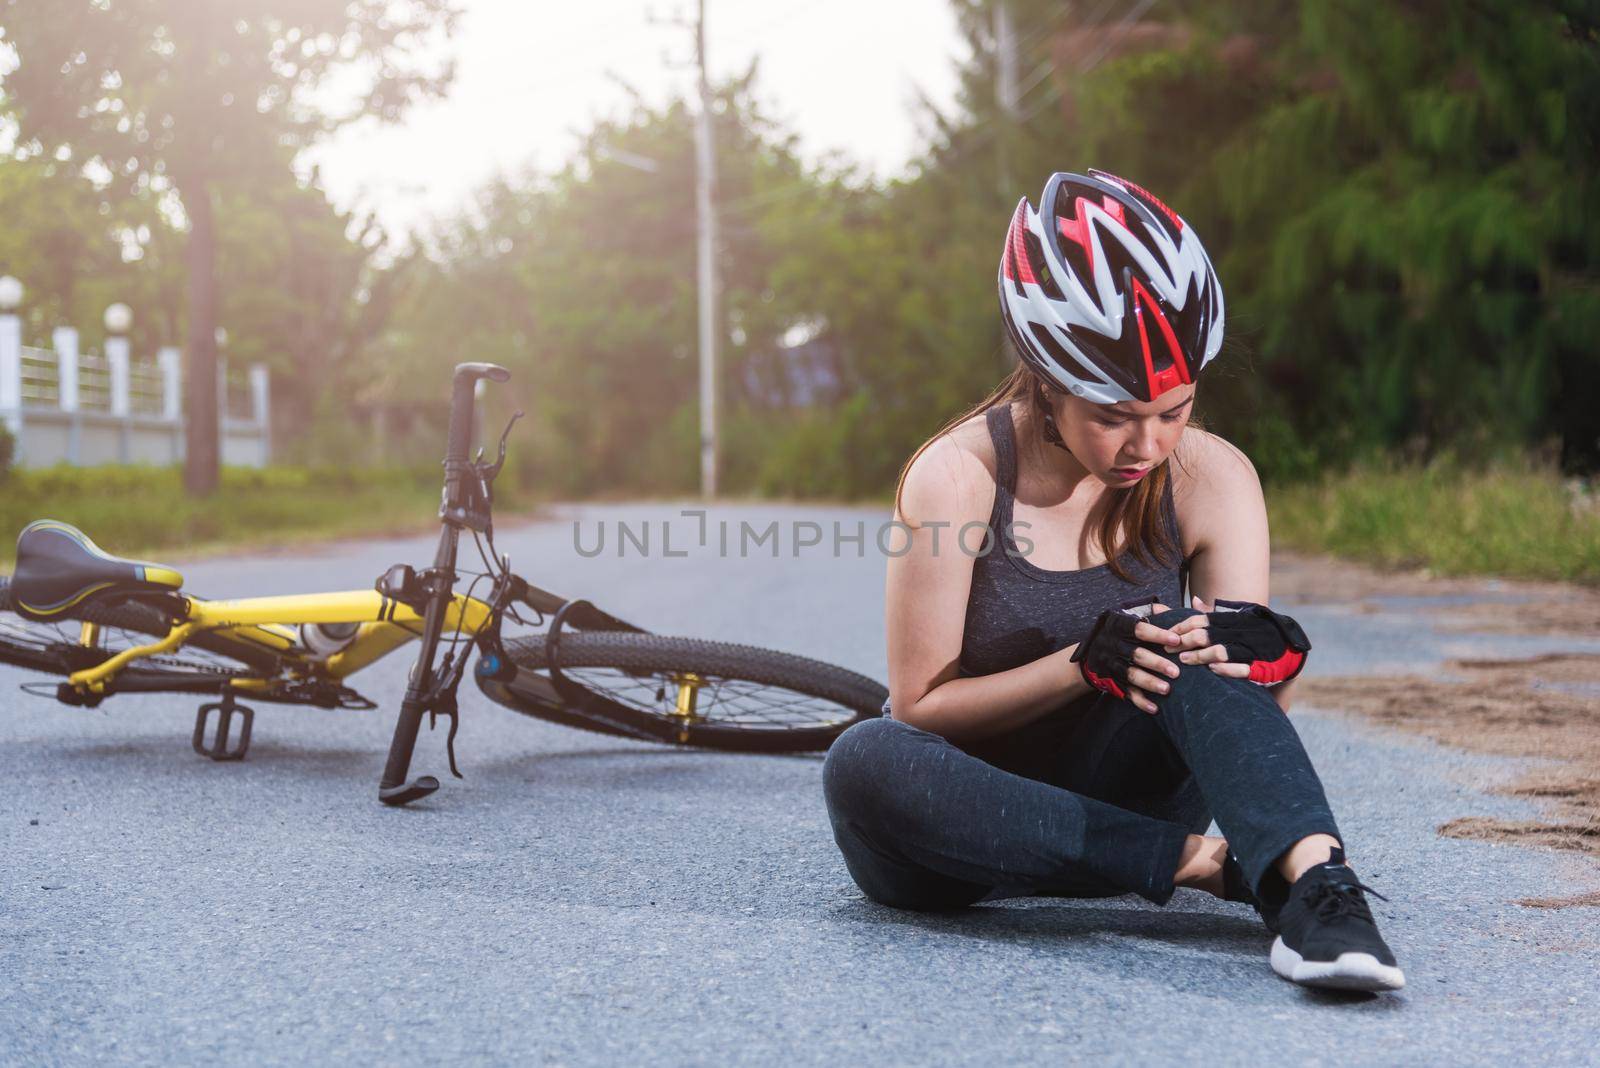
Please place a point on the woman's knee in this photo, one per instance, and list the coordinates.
(1172, 616)
(1192, 677)
(849, 761)
(1197, 682)
(857, 764)
(864, 781)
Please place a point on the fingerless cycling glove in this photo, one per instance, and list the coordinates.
(1270, 642)
(1106, 654)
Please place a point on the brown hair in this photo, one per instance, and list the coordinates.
(1132, 519)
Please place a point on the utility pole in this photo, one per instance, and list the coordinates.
(1008, 101)
(704, 242)
(1005, 89)
(705, 192)
(705, 179)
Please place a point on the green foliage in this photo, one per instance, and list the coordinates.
(302, 292)
(1402, 200)
(63, 240)
(8, 451)
(1516, 519)
(196, 91)
(583, 283)
(1402, 211)
(301, 286)
(195, 102)
(144, 510)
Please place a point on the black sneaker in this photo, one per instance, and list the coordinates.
(1235, 888)
(1327, 937)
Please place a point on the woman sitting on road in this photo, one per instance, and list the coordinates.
(1056, 728)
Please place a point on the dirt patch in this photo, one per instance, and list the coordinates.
(1546, 707)
(1505, 606)
(1592, 898)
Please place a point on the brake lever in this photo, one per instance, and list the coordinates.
(447, 707)
(493, 469)
(450, 739)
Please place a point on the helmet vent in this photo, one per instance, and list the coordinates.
(1041, 269)
(1051, 345)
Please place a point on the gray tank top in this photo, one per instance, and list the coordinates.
(1018, 612)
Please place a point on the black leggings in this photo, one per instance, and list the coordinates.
(1093, 800)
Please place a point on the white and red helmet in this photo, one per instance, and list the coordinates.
(1106, 292)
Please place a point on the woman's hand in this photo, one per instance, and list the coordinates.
(1194, 645)
(1117, 658)
(1268, 647)
(1152, 673)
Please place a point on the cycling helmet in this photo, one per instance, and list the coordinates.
(1106, 293)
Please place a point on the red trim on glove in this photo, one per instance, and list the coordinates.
(1271, 672)
(1104, 682)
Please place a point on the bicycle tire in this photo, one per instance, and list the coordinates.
(634, 655)
(27, 644)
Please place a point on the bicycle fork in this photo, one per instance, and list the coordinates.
(394, 789)
(465, 502)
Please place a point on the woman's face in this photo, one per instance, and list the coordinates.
(1121, 443)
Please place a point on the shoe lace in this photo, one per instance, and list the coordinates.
(1341, 897)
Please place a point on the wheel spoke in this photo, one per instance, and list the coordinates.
(63, 639)
(720, 701)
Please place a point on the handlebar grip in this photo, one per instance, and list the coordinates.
(459, 442)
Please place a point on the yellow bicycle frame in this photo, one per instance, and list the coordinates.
(271, 623)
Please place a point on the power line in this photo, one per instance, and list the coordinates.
(1123, 26)
(1116, 35)
(570, 72)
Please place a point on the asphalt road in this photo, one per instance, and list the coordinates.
(579, 899)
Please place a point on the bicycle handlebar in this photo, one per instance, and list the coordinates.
(459, 442)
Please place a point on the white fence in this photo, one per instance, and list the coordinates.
(86, 408)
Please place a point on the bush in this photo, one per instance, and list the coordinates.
(1516, 517)
(134, 510)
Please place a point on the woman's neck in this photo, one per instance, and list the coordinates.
(1057, 474)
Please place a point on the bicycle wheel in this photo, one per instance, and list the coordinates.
(686, 691)
(201, 664)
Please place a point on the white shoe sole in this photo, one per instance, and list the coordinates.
(1352, 971)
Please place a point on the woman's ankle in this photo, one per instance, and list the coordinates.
(1305, 854)
(1200, 864)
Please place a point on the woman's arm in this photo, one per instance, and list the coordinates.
(1227, 512)
(925, 608)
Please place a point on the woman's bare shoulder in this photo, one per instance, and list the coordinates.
(1214, 486)
(954, 477)
(1207, 460)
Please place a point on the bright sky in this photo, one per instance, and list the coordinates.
(530, 73)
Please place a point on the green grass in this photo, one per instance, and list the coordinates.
(141, 511)
(1516, 520)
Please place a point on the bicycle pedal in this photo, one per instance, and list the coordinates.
(218, 748)
(68, 694)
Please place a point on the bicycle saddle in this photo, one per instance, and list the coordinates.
(58, 567)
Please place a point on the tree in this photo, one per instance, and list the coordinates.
(1400, 199)
(582, 282)
(64, 240)
(191, 97)
(301, 294)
